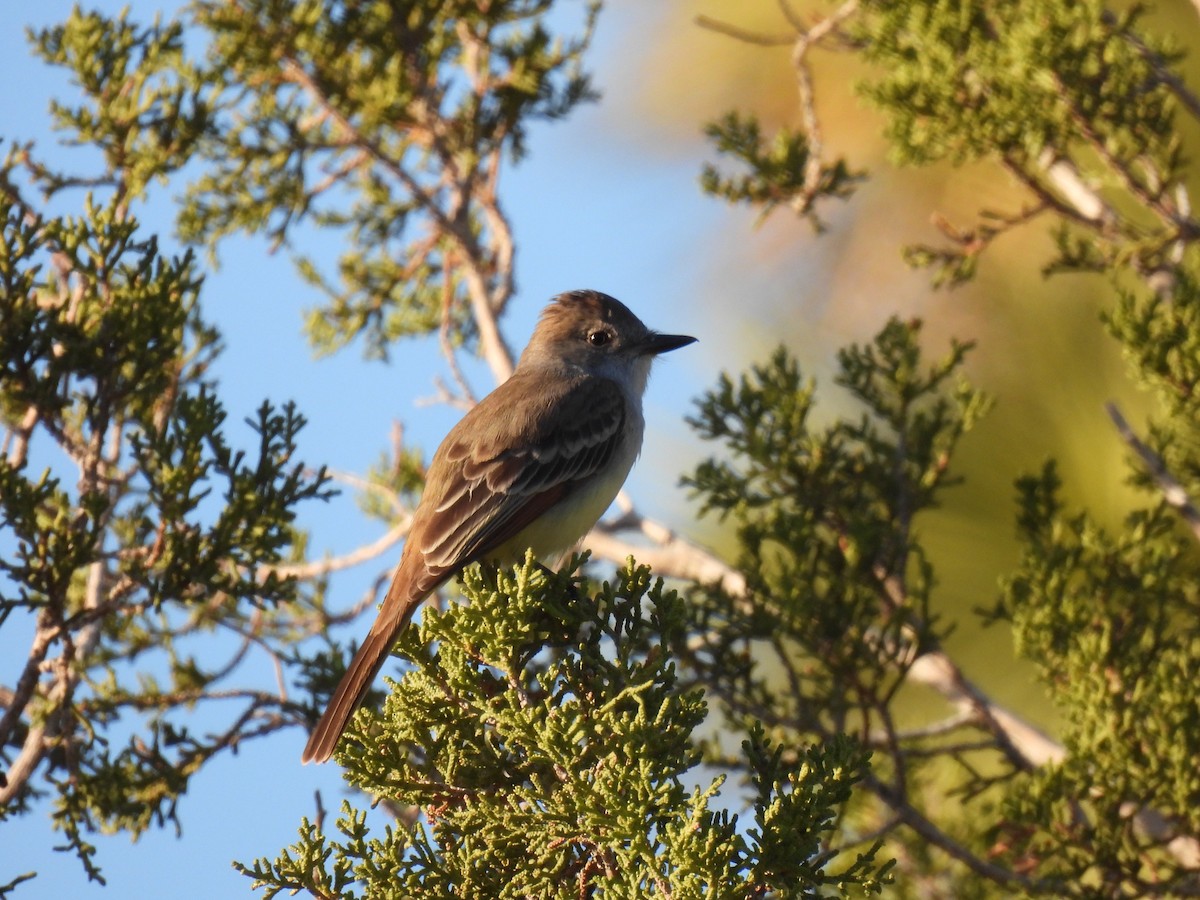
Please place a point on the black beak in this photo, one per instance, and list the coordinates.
(656, 343)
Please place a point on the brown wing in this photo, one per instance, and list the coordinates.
(510, 459)
(496, 473)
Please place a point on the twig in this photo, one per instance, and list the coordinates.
(1161, 70)
(465, 395)
(16, 440)
(337, 563)
(791, 15)
(336, 176)
(33, 750)
(444, 396)
(1173, 493)
(674, 557)
(374, 487)
(669, 555)
(952, 723)
(1145, 193)
(19, 698)
(501, 235)
(801, 40)
(744, 35)
(492, 345)
(812, 128)
(1074, 200)
(1029, 746)
(912, 817)
(299, 76)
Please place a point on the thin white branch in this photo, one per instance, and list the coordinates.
(336, 563)
(32, 752)
(362, 484)
(937, 671)
(1174, 493)
(492, 347)
(669, 555)
(466, 397)
(674, 557)
(1074, 190)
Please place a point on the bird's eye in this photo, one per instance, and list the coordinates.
(598, 338)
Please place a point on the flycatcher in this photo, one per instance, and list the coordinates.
(532, 466)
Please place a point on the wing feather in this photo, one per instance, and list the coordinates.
(496, 475)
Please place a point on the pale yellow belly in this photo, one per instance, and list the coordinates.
(558, 529)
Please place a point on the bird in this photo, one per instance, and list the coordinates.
(532, 466)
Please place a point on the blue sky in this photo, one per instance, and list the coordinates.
(590, 208)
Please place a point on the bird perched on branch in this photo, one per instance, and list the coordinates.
(532, 466)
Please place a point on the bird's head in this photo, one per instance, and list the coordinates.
(598, 333)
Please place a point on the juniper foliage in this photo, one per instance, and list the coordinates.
(133, 529)
(1087, 108)
(542, 729)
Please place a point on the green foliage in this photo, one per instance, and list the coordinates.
(1057, 93)
(1082, 106)
(385, 121)
(143, 105)
(133, 529)
(1076, 101)
(140, 533)
(1110, 621)
(839, 590)
(962, 81)
(1160, 334)
(544, 733)
(838, 610)
(825, 516)
(779, 172)
(556, 737)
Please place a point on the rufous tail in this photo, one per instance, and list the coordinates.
(350, 690)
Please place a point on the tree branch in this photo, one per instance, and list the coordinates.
(492, 345)
(1173, 493)
(316, 569)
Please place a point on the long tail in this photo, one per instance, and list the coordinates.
(412, 582)
(350, 690)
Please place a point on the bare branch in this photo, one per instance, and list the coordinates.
(801, 40)
(1174, 493)
(465, 397)
(374, 487)
(21, 694)
(948, 725)
(492, 346)
(484, 307)
(500, 232)
(33, 750)
(914, 819)
(674, 557)
(443, 395)
(1071, 197)
(791, 15)
(830, 23)
(812, 128)
(16, 440)
(1031, 746)
(744, 35)
(298, 75)
(346, 561)
(668, 554)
